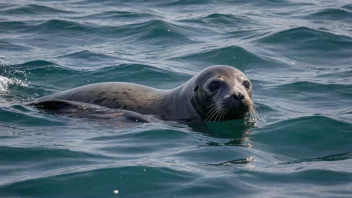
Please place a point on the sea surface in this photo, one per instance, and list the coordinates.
(297, 54)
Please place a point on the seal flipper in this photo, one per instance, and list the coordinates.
(59, 105)
(80, 109)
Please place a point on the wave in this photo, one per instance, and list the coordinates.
(33, 9)
(348, 7)
(232, 55)
(4, 5)
(34, 157)
(86, 55)
(315, 90)
(135, 73)
(307, 98)
(59, 25)
(304, 137)
(111, 175)
(301, 35)
(120, 15)
(307, 45)
(35, 154)
(14, 26)
(55, 75)
(153, 31)
(20, 116)
(238, 27)
(8, 46)
(222, 20)
(185, 2)
(6, 83)
(331, 14)
(300, 177)
(337, 77)
(34, 64)
(334, 157)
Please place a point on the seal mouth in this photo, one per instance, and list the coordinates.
(230, 109)
(236, 109)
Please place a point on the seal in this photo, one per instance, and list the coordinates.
(216, 93)
(86, 110)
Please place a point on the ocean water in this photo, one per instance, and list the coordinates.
(298, 55)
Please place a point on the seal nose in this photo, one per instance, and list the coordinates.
(238, 96)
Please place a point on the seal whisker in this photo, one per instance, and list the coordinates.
(219, 115)
(223, 110)
(222, 115)
(255, 105)
(256, 115)
(225, 106)
(215, 113)
(226, 111)
(255, 111)
(253, 115)
(211, 112)
(208, 118)
(212, 105)
(252, 112)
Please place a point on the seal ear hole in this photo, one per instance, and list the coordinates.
(196, 88)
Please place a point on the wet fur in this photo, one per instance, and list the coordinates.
(188, 102)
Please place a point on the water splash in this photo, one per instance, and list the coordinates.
(10, 76)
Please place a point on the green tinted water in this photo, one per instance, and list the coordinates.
(298, 56)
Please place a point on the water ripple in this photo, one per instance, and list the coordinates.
(296, 54)
(327, 138)
(33, 9)
(332, 14)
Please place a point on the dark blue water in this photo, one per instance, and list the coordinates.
(298, 55)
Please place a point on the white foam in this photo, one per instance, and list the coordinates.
(5, 83)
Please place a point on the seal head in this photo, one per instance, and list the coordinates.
(222, 93)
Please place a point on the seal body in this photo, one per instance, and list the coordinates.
(214, 94)
(167, 104)
(86, 110)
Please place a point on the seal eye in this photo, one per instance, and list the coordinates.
(246, 84)
(213, 86)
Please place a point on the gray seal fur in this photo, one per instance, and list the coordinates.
(214, 94)
(86, 110)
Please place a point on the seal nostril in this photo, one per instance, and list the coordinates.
(238, 96)
(235, 96)
(241, 96)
